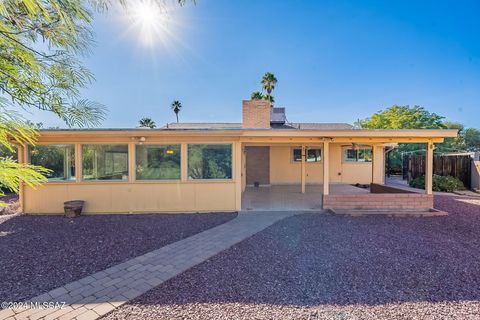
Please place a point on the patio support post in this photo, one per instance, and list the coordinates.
(244, 169)
(78, 162)
(131, 162)
(326, 169)
(429, 168)
(303, 168)
(237, 175)
(22, 158)
(184, 162)
(378, 171)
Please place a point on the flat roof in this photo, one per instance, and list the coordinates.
(441, 133)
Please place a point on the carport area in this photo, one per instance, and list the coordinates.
(290, 197)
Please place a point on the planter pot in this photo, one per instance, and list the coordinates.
(73, 208)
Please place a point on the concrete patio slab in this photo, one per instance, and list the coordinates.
(289, 197)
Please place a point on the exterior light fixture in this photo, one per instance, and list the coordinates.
(140, 140)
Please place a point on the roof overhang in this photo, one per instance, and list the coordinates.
(259, 135)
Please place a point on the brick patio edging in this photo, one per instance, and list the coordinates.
(378, 201)
(98, 294)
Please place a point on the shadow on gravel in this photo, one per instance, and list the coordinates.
(39, 253)
(312, 259)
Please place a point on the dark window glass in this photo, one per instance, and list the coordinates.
(157, 162)
(60, 159)
(358, 155)
(209, 161)
(313, 155)
(297, 155)
(105, 162)
(365, 155)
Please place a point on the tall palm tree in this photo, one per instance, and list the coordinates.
(176, 107)
(269, 98)
(268, 84)
(257, 95)
(147, 123)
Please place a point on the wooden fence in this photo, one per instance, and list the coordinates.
(443, 165)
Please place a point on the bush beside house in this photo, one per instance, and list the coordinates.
(439, 183)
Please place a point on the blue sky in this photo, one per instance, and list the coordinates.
(335, 61)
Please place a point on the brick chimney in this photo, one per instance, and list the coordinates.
(256, 114)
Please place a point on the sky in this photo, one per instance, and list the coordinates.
(335, 61)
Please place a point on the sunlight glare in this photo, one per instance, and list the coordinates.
(149, 21)
(154, 27)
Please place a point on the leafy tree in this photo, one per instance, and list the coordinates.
(13, 127)
(147, 123)
(257, 95)
(39, 68)
(472, 139)
(40, 42)
(403, 117)
(176, 107)
(453, 144)
(268, 84)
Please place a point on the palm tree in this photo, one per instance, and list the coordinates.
(269, 98)
(257, 95)
(268, 84)
(176, 107)
(147, 123)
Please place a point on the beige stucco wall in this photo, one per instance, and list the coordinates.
(476, 175)
(110, 197)
(140, 196)
(284, 171)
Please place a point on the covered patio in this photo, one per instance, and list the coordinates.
(296, 184)
(290, 197)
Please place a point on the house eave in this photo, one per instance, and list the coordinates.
(334, 133)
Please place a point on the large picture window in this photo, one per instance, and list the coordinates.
(157, 162)
(357, 155)
(210, 161)
(313, 155)
(105, 162)
(60, 159)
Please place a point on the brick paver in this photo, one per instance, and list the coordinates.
(97, 294)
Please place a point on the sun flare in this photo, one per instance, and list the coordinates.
(149, 21)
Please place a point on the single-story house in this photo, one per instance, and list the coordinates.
(263, 162)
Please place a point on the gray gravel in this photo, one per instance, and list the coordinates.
(40, 253)
(330, 267)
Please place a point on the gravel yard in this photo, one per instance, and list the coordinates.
(39, 253)
(314, 266)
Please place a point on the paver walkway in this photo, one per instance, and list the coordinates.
(96, 295)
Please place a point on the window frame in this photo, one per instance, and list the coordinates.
(292, 154)
(157, 180)
(345, 149)
(129, 173)
(74, 158)
(232, 166)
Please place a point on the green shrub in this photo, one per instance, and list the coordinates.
(439, 183)
(418, 182)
